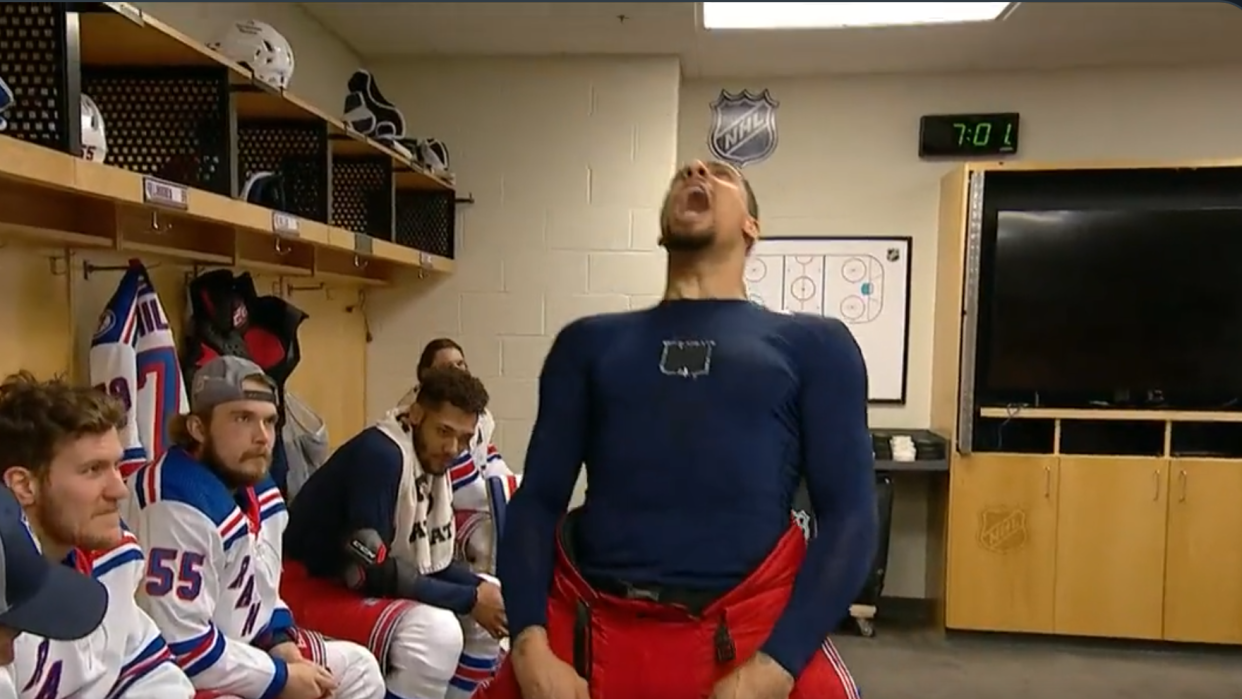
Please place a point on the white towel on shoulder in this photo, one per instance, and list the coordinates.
(424, 528)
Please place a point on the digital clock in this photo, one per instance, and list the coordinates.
(967, 135)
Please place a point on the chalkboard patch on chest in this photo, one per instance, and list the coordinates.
(688, 359)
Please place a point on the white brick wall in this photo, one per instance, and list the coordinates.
(567, 161)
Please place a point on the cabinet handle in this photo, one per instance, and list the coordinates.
(1047, 482)
(1155, 480)
(1181, 478)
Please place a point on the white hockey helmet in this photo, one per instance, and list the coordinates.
(94, 138)
(260, 48)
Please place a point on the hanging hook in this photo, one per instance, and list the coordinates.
(360, 262)
(282, 249)
(159, 226)
(58, 265)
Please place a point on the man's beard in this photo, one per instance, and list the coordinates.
(53, 524)
(686, 242)
(233, 478)
(420, 453)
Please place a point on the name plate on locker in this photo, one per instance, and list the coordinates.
(424, 259)
(166, 194)
(285, 225)
(362, 244)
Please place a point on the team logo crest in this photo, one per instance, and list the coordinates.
(240, 315)
(1002, 530)
(688, 359)
(107, 321)
(743, 127)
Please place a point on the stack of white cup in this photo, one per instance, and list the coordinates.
(903, 447)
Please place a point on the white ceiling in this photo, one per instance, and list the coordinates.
(1045, 35)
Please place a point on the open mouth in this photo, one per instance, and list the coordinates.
(697, 199)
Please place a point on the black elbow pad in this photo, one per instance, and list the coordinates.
(368, 568)
(372, 570)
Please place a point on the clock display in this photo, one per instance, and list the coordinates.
(968, 135)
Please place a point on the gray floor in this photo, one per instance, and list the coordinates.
(924, 665)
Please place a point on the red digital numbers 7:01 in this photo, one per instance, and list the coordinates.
(171, 571)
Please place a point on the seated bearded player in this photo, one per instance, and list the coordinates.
(482, 481)
(369, 551)
(211, 520)
(481, 459)
(683, 574)
(60, 451)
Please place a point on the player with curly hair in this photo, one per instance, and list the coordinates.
(369, 550)
(60, 455)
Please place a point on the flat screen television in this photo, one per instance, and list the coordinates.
(1117, 308)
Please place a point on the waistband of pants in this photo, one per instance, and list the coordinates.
(694, 600)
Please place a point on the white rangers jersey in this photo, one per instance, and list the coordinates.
(133, 358)
(8, 690)
(213, 572)
(125, 658)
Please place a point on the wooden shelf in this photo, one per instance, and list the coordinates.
(48, 198)
(51, 199)
(262, 101)
(128, 37)
(1021, 413)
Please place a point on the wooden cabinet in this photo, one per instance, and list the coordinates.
(1110, 548)
(1105, 546)
(1203, 571)
(1002, 550)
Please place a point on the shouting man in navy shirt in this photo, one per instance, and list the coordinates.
(370, 542)
(683, 575)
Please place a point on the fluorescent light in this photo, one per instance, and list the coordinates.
(828, 15)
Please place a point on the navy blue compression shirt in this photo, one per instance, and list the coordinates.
(696, 420)
(356, 488)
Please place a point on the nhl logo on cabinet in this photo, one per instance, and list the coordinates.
(1002, 530)
(743, 127)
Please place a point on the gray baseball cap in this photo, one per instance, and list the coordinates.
(223, 379)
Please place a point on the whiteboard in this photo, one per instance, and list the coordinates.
(865, 282)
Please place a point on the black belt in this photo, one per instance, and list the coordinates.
(693, 600)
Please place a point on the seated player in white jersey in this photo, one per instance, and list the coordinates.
(60, 453)
(369, 551)
(211, 521)
(481, 458)
(38, 596)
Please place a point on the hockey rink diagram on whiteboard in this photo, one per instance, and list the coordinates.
(849, 287)
(864, 282)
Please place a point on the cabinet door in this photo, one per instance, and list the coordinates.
(1110, 546)
(1002, 538)
(1203, 578)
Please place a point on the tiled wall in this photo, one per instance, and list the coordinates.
(567, 161)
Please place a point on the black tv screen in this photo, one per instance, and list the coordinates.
(1132, 306)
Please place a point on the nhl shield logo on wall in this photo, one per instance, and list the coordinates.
(743, 127)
